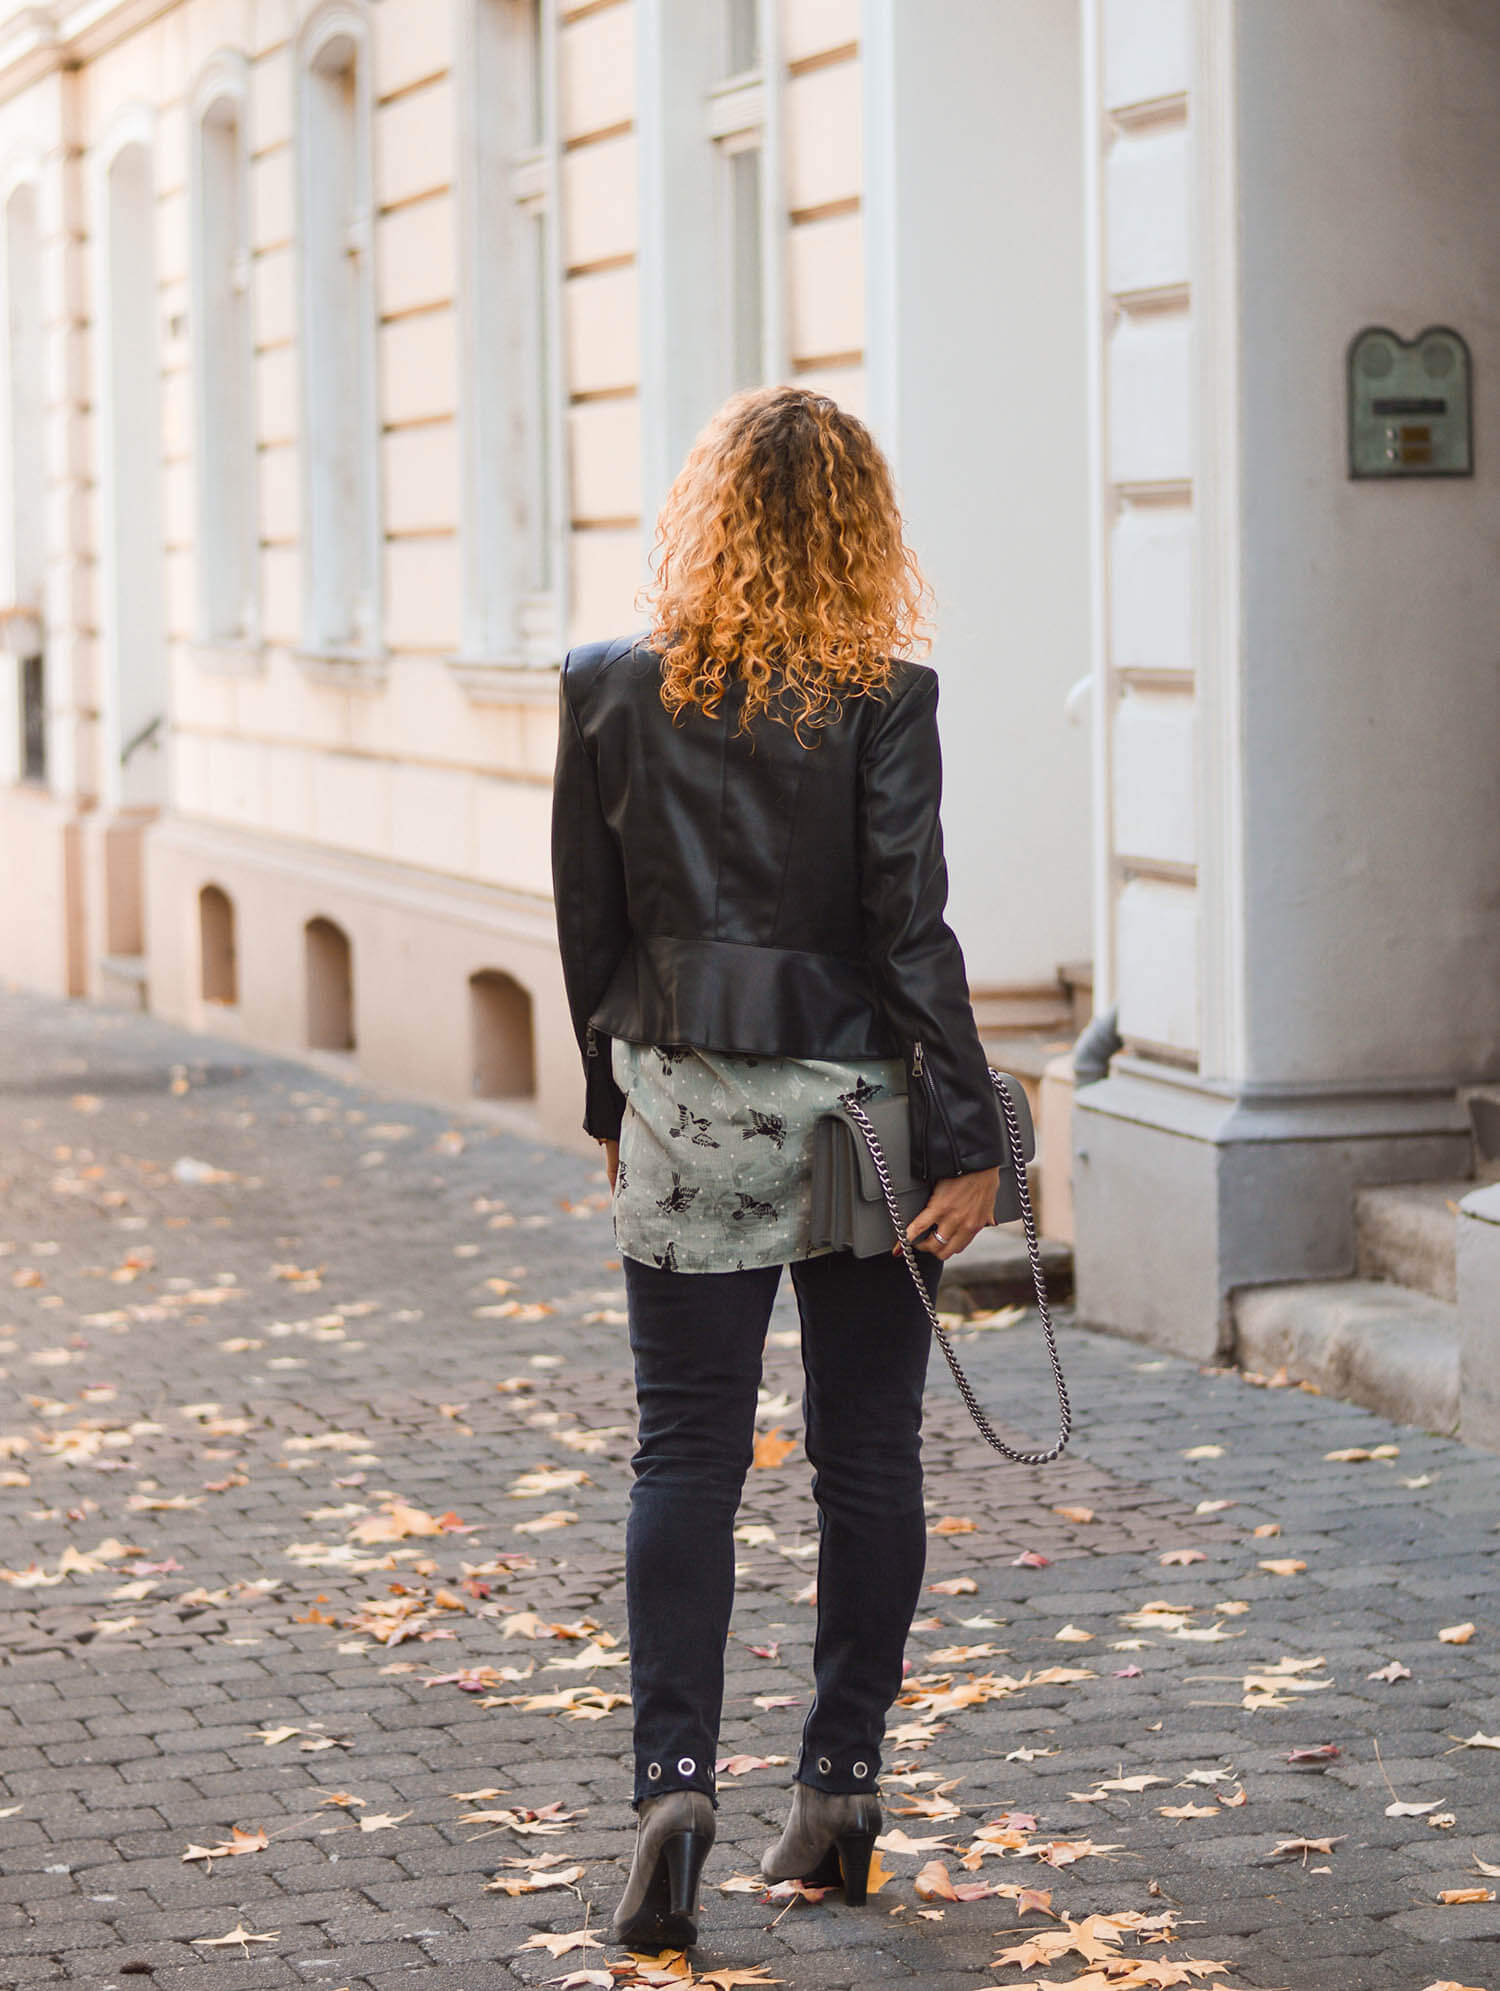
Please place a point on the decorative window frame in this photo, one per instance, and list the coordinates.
(357, 658)
(22, 620)
(690, 106)
(514, 462)
(134, 124)
(224, 79)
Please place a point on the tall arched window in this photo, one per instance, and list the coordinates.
(513, 377)
(217, 957)
(223, 356)
(340, 413)
(330, 986)
(25, 487)
(501, 1036)
(133, 772)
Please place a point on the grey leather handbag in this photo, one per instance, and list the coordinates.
(864, 1195)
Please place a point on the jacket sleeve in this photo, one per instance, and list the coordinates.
(593, 926)
(914, 955)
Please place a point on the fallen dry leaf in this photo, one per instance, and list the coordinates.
(1459, 1897)
(535, 1881)
(544, 1524)
(1300, 1848)
(954, 1586)
(1286, 1566)
(1400, 1810)
(382, 1821)
(1354, 1455)
(898, 1841)
(1081, 1515)
(771, 1448)
(238, 1934)
(563, 1944)
(1478, 1741)
(1187, 1811)
(1457, 1634)
(239, 1841)
(1180, 1558)
(1394, 1670)
(954, 1524)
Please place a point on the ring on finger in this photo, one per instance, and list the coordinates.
(938, 1235)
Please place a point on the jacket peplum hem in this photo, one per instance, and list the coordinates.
(725, 995)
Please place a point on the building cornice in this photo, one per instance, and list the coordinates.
(37, 39)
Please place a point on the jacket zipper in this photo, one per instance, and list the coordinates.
(933, 1107)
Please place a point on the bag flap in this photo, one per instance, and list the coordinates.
(891, 1120)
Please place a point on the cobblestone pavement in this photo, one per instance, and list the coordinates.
(278, 1354)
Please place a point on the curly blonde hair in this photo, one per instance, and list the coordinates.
(780, 561)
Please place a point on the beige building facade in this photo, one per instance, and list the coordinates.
(351, 346)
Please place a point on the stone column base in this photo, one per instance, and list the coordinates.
(1479, 1317)
(1185, 1189)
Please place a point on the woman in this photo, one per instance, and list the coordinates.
(750, 889)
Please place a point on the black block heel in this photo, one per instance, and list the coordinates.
(666, 1916)
(685, 1853)
(855, 1852)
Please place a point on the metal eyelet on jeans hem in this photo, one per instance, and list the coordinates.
(824, 1765)
(654, 1772)
(685, 1766)
(861, 1769)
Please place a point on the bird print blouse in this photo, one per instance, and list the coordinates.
(716, 1151)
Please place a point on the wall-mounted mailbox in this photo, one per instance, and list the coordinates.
(1409, 405)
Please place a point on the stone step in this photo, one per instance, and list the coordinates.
(1393, 1350)
(996, 1272)
(122, 981)
(1407, 1232)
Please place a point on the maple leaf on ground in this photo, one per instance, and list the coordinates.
(238, 1934)
(1081, 1515)
(737, 1766)
(1187, 1811)
(239, 1841)
(1180, 1558)
(899, 1842)
(771, 1448)
(1479, 1741)
(1461, 1897)
(954, 1586)
(563, 1944)
(728, 1980)
(1109, 1786)
(1456, 1634)
(1288, 1849)
(1451, 1984)
(954, 1524)
(1318, 1752)
(1394, 1670)
(382, 1821)
(1067, 1852)
(534, 1881)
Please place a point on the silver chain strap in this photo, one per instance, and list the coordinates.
(1038, 1280)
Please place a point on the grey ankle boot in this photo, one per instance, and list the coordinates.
(659, 1908)
(829, 1841)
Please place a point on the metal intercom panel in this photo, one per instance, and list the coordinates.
(1410, 404)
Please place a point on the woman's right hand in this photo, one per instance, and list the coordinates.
(960, 1207)
(611, 1162)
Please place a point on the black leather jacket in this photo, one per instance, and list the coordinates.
(741, 892)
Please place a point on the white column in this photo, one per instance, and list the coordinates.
(974, 242)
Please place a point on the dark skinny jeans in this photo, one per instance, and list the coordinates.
(698, 1339)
